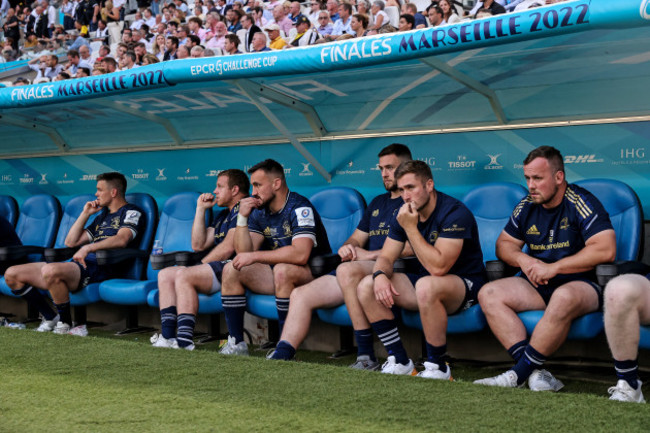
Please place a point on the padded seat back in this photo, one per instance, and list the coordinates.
(150, 213)
(39, 220)
(492, 204)
(9, 208)
(625, 212)
(175, 225)
(340, 209)
(71, 212)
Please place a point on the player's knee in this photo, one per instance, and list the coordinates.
(488, 296)
(283, 275)
(563, 305)
(12, 277)
(50, 272)
(623, 292)
(426, 292)
(365, 289)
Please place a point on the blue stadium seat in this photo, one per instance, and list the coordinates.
(9, 208)
(341, 209)
(491, 204)
(37, 226)
(130, 290)
(626, 214)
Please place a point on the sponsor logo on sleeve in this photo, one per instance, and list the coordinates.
(305, 217)
(132, 217)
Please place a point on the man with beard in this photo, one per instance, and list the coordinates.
(358, 254)
(450, 271)
(567, 233)
(277, 232)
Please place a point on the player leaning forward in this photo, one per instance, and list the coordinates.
(444, 236)
(567, 232)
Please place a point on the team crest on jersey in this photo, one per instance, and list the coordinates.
(267, 232)
(305, 217)
(115, 223)
(533, 230)
(287, 228)
(375, 212)
(433, 236)
(382, 224)
(564, 223)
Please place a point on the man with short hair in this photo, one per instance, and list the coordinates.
(325, 26)
(196, 28)
(259, 43)
(283, 22)
(333, 9)
(233, 16)
(277, 41)
(627, 307)
(109, 64)
(232, 44)
(128, 61)
(171, 45)
(295, 12)
(48, 67)
(342, 25)
(412, 9)
(567, 232)
(435, 15)
(358, 255)
(277, 233)
(406, 22)
(196, 52)
(179, 285)
(250, 27)
(85, 57)
(450, 271)
(74, 63)
(182, 52)
(117, 225)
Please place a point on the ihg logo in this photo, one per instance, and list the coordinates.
(645, 9)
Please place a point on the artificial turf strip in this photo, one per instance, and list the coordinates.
(65, 383)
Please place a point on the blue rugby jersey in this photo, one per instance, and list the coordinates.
(224, 221)
(108, 224)
(376, 219)
(552, 234)
(8, 236)
(450, 219)
(296, 219)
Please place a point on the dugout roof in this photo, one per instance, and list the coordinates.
(572, 63)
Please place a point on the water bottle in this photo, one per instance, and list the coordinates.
(157, 248)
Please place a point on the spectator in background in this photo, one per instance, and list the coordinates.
(104, 51)
(333, 9)
(182, 33)
(380, 17)
(148, 18)
(128, 61)
(359, 25)
(449, 15)
(258, 16)
(314, 12)
(233, 16)
(182, 53)
(196, 51)
(102, 30)
(140, 51)
(295, 12)
(305, 35)
(259, 42)
(281, 19)
(251, 29)
(109, 64)
(490, 5)
(49, 11)
(149, 59)
(342, 25)
(83, 72)
(158, 48)
(126, 36)
(217, 41)
(85, 57)
(406, 22)
(171, 45)
(45, 66)
(74, 63)
(412, 9)
(435, 15)
(11, 28)
(325, 26)
(196, 28)
(277, 42)
(231, 45)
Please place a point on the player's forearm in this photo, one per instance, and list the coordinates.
(243, 242)
(586, 259)
(219, 253)
(110, 243)
(428, 255)
(199, 231)
(511, 254)
(290, 254)
(77, 234)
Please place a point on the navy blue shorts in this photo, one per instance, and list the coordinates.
(473, 284)
(546, 290)
(92, 273)
(217, 267)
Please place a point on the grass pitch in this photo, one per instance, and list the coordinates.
(52, 383)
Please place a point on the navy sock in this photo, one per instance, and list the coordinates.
(517, 350)
(234, 308)
(387, 332)
(531, 360)
(364, 343)
(64, 312)
(282, 304)
(36, 299)
(435, 354)
(168, 322)
(628, 371)
(284, 351)
(185, 333)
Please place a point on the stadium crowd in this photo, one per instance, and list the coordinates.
(263, 241)
(104, 36)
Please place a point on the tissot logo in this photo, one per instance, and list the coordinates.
(462, 163)
(645, 9)
(26, 179)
